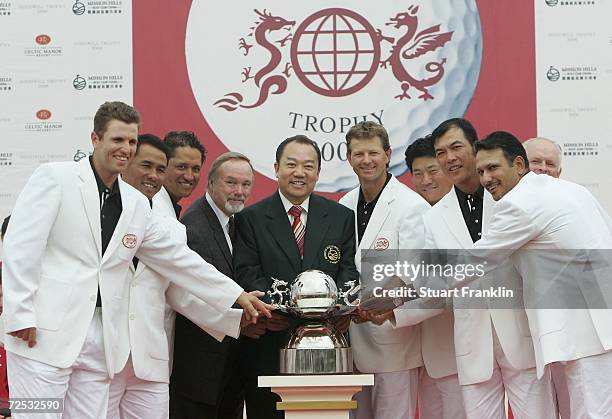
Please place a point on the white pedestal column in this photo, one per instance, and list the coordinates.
(316, 396)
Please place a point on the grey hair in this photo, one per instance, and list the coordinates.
(225, 157)
(557, 146)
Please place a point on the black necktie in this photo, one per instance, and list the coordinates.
(231, 229)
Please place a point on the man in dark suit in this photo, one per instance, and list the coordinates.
(279, 237)
(206, 381)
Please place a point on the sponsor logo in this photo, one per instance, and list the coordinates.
(129, 241)
(43, 39)
(572, 73)
(78, 8)
(43, 114)
(381, 243)
(98, 81)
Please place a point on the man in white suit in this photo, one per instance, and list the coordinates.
(141, 388)
(387, 216)
(492, 346)
(544, 157)
(439, 390)
(74, 231)
(535, 219)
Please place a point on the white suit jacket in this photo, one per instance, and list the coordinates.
(150, 321)
(397, 218)
(445, 229)
(542, 212)
(53, 264)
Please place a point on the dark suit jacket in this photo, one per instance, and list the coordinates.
(266, 247)
(202, 365)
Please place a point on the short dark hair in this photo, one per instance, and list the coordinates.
(300, 139)
(421, 147)
(5, 224)
(508, 143)
(463, 124)
(153, 141)
(366, 130)
(110, 111)
(176, 139)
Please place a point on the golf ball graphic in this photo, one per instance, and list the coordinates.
(264, 72)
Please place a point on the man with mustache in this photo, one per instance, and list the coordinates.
(206, 379)
(544, 157)
(493, 354)
(141, 388)
(538, 220)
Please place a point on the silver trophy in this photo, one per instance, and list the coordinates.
(315, 346)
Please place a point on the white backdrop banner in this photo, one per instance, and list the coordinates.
(59, 60)
(574, 88)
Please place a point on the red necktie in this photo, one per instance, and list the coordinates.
(299, 230)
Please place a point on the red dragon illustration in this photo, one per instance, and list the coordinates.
(263, 79)
(412, 45)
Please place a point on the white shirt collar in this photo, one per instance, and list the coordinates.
(287, 204)
(221, 216)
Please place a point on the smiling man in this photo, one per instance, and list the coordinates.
(428, 178)
(280, 237)
(187, 156)
(534, 214)
(213, 387)
(493, 355)
(74, 231)
(387, 213)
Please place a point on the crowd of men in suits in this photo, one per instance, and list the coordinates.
(120, 310)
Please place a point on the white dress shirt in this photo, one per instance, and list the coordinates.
(223, 219)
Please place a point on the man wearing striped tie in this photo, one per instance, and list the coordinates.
(281, 236)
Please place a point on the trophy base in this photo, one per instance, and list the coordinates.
(316, 361)
(316, 347)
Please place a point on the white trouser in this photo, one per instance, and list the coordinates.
(393, 396)
(589, 381)
(83, 386)
(528, 397)
(557, 372)
(133, 398)
(440, 398)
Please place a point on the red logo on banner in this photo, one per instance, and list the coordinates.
(43, 114)
(43, 39)
(343, 65)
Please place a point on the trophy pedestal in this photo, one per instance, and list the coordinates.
(316, 396)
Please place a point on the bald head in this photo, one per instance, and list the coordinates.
(544, 156)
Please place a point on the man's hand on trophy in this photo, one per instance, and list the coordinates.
(383, 297)
(377, 318)
(254, 331)
(342, 323)
(277, 322)
(252, 306)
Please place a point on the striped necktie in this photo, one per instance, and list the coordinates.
(299, 230)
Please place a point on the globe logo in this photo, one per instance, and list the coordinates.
(335, 52)
(78, 8)
(553, 74)
(79, 83)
